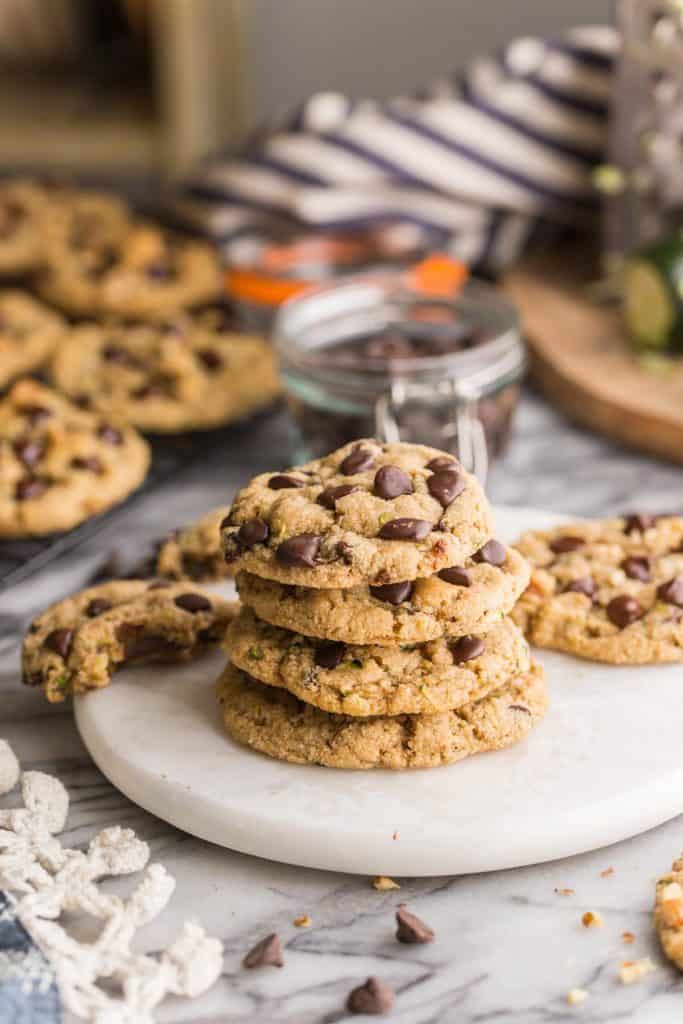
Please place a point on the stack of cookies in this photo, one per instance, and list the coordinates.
(374, 630)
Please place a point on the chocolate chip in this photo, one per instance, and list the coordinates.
(467, 648)
(637, 567)
(331, 495)
(29, 451)
(562, 545)
(393, 593)
(89, 462)
(97, 606)
(82, 400)
(583, 585)
(329, 654)
(456, 575)
(492, 552)
(211, 359)
(405, 529)
(445, 486)
(298, 551)
(639, 521)
(411, 929)
(160, 585)
(373, 997)
(253, 532)
(519, 707)
(266, 953)
(345, 552)
(281, 482)
(623, 610)
(113, 353)
(357, 461)
(138, 642)
(671, 591)
(35, 414)
(30, 487)
(442, 462)
(193, 603)
(110, 434)
(59, 641)
(391, 482)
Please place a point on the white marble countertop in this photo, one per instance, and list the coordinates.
(508, 946)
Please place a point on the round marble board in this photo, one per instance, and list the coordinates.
(603, 765)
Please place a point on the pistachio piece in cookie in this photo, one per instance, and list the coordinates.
(78, 643)
(608, 590)
(368, 513)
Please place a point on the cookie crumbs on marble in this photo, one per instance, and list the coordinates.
(266, 953)
(628, 938)
(607, 873)
(382, 883)
(631, 971)
(373, 997)
(576, 996)
(591, 919)
(304, 921)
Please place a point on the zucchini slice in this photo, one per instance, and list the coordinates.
(653, 297)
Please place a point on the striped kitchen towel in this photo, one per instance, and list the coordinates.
(487, 157)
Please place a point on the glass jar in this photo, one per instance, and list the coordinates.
(371, 357)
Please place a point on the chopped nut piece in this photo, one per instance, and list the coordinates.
(634, 970)
(564, 892)
(303, 922)
(607, 872)
(576, 996)
(592, 920)
(383, 884)
(628, 938)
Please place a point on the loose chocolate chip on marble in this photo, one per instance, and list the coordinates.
(405, 529)
(299, 551)
(671, 591)
(583, 585)
(466, 648)
(374, 997)
(639, 521)
(30, 487)
(624, 610)
(637, 567)
(331, 495)
(110, 434)
(193, 603)
(282, 481)
(211, 359)
(442, 462)
(97, 606)
(89, 462)
(329, 654)
(393, 593)
(266, 953)
(563, 545)
(410, 929)
(113, 353)
(357, 461)
(445, 486)
(456, 575)
(29, 450)
(253, 532)
(391, 482)
(492, 552)
(59, 641)
(35, 414)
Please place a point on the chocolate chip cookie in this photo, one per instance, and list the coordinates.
(668, 915)
(78, 643)
(29, 332)
(276, 723)
(191, 374)
(194, 551)
(609, 590)
(470, 598)
(60, 464)
(368, 513)
(23, 217)
(148, 274)
(350, 679)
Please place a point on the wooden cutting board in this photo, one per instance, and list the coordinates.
(581, 359)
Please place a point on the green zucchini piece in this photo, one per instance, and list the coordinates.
(653, 297)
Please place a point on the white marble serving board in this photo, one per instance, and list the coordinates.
(605, 764)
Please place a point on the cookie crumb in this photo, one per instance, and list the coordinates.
(633, 970)
(564, 892)
(591, 919)
(606, 873)
(575, 996)
(384, 884)
(628, 938)
(395, 835)
(304, 921)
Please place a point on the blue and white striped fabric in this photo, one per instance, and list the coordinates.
(487, 157)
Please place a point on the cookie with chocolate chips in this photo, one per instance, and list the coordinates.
(60, 464)
(275, 722)
(668, 913)
(23, 219)
(362, 680)
(29, 333)
(146, 274)
(608, 589)
(194, 551)
(78, 643)
(192, 373)
(345, 520)
(469, 598)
